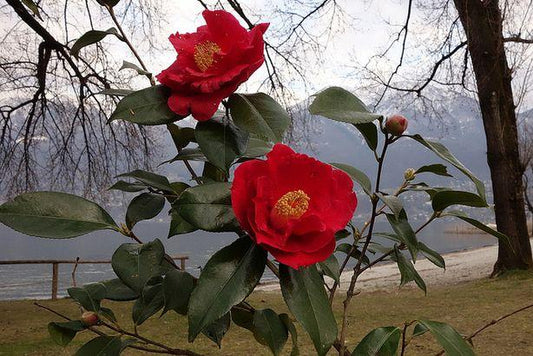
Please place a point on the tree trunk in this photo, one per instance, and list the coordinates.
(482, 22)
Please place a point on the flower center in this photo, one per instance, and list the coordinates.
(203, 54)
(292, 205)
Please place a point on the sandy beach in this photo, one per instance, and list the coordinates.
(460, 267)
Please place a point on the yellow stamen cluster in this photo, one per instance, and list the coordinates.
(292, 205)
(204, 53)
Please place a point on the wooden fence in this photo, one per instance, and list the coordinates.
(55, 267)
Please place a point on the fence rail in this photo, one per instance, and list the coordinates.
(55, 266)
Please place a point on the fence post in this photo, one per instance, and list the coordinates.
(55, 273)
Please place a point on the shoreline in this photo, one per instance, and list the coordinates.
(462, 266)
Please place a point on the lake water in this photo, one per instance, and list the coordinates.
(34, 281)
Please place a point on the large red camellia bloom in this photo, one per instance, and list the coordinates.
(292, 205)
(211, 64)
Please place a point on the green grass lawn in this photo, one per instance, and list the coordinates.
(466, 306)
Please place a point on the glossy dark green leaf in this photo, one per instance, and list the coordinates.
(217, 329)
(423, 187)
(181, 136)
(358, 176)
(382, 341)
(304, 294)
(116, 290)
(292, 331)
(150, 301)
(260, 115)
(101, 346)
(208, 207)
(89, 296)
(107, 314)
(221, 142)
(438, 169)
(144, 207)
(177, 288)
(189, 154)
(135, 67)
(146, 107)
(269, 330)
(478, 224)
(91, 37)
(441, 151)
(356, 254)
(408, 272)
(243, 317)
(432, 255)
(393, 202)
(256, 148)
(63, 332)
(212, 174)
(54, 215)
(116, 92)
(227, 278)
(450, 340)
(340, 105)
(30, 4)
(404, 231)
(151, 179)
(419, 329)
(134, 263)
(178, 225)
(443, 199)
(331, 268)
(127, 187)
(342, 234)
(370, 134)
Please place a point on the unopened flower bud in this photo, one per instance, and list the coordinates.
(396, 125)
(89, 318)
(409, 174)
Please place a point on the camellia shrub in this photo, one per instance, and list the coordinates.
(289, 212)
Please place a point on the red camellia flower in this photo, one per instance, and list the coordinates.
(292, 205)
(211, 64)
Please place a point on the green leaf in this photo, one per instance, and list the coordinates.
(101, 346)
(260, 115)
(144, 207)
(340, 105)
(211, 174)
(407, 270)
(151, 179)
(256, 148)
(452, 342)
(91, 37)
(189, 154)
(357, 175)
(177, 288)
(331, 268)
(478, 224)
(54, 215)
(134, 263)
(356, 254)
(181, 136)
(108, 2)
(217, 329)
(33, 7)
(208, 207)
(419, 329)
(88, 296)
(116, 92)
(150, 301)
(135, 67)
(292, 330)
(441, 151)
(393, 202)
(438, 169)
(116, 290)
(443, 199)
(221, 142)
(227, 278)
(342, 234)
(269, 330)
(304, 294)
(146, 107)
(383, 341)
(127, 187)
(432, 255)
(63, 333)
(178, 225)
(404, 231)
(243, 317)
(108, 314)
(370, 134)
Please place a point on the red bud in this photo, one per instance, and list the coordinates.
(89, 318)
(396, 125)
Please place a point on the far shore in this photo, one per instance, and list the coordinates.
(461, 267)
